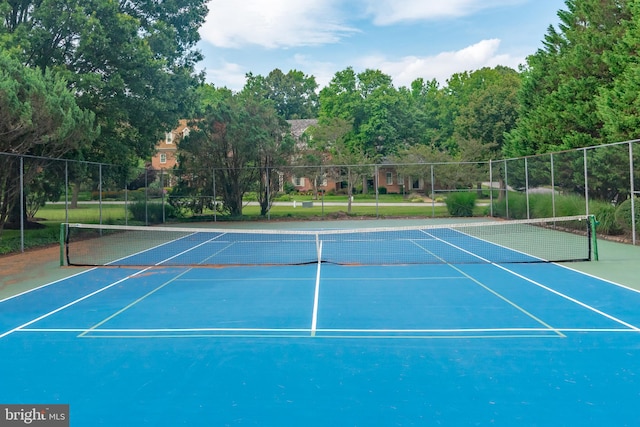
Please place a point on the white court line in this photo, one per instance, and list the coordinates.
(560, 294)
(599, 278)
(128, 306)
(71, 303)
(161, 245)
(45, 285)
(487, 288)
(406, 279)
(343, 334)
(575, 301)
(149, 249)
(316, 296)
(328, 330)
(195, 247)
(79, 299)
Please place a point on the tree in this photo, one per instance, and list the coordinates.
(619, 104)
(347, 161)
(561, 82)
(423, 161)
(488, 111)
(239, 143)
(384, 118)
(38, 117)
(293, 94)
(130, 63)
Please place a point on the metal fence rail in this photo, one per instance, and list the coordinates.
(605, 173)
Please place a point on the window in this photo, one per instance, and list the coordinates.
(163, 158)
(168, 138)
(389, 178)
(298, 182)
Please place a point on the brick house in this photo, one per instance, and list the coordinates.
(165, 156)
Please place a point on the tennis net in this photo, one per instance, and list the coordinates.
(519, 241)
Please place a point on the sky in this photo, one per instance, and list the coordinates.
(405, 39)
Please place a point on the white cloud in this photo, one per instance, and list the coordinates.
(273, 23)
(322, 71)
(387, 12)
(232, 76)
(403, 71)
(442, 66)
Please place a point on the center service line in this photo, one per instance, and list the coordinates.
(314, 319)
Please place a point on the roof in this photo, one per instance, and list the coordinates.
(300, 125)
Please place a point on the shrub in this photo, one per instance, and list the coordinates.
(382, 190)
(517, 207)
(289, 187)
(541, 205)
(151, 213)
(461, 204)
(605, 214)
(623, 214)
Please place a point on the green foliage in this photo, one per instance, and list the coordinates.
(623, 215)
(559, 99)
(242, 140)
(461, 204)
(293, 95)
(132, 63)
(605, 214)
(11, 241)
(151, 213)
(382, 118)
(38, 116)
(540, 206)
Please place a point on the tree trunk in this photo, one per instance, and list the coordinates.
(75, 194)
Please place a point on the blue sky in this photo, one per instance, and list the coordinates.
(405, 39)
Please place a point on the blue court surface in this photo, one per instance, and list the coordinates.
(327, 345)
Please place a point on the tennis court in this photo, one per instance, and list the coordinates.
(411, 326)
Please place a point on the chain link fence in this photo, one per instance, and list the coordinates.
(602, 180)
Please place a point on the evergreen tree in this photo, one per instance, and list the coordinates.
(561, 82)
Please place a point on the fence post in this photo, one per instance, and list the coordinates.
(126, 203)
(268, 193)
(526, 184)
(553, 188)
(586, 182)
(146, 197)
(491, 188)
(66, 191)
(21, 204)
(433, 194)
(162, 193)
(633, 194)
(100, 193)
(506, 190)
(215, 198)
(324, 188)
(375, 183)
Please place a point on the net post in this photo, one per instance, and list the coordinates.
(594, 240)
(62, 225)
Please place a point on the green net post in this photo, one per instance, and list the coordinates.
(62, 244)
(594, 239)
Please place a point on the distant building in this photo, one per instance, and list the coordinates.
(165, 156)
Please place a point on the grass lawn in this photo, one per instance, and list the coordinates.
(50, 216)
